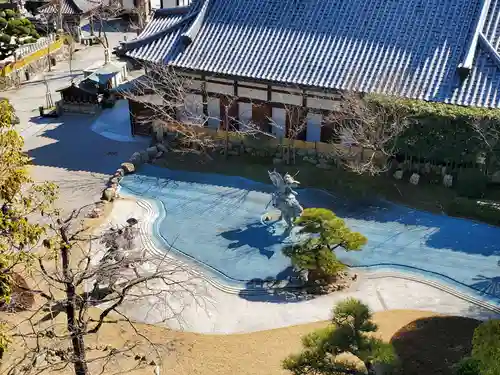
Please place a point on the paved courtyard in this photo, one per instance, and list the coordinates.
(65, 150)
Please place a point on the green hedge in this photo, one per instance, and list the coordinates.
(473, 209)
(441, 132)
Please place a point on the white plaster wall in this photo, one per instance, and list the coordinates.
(279, 122)
(252, 93)
(193, 109)
(287, 89)
(313, 131)
(253, 84)
(192, 84)
(128, 4)
(169, 3)
(220, 88)
(326, 104)
(214, 115)
(286, 98)
(245, 112)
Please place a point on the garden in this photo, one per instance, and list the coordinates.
(15, 31)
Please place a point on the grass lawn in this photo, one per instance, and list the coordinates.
(433, 198)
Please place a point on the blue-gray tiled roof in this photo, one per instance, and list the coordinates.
(410, 48)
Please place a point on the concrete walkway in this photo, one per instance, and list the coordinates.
(200, 305)
(66, 150)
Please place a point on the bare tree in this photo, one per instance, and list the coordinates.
(166, 95)
(103, 11)
(75, 277)
(366, 132)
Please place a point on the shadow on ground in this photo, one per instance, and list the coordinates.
(72, 145)
(448, 232)
(487, 285)
(254, 236)
(432, 345)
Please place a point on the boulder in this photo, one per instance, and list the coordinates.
(448, 180)
(323, 166)
(309, 159)
(108, 194)
(495, 177)
(398, 175)
(152, 151)
(414, 179)
(161, 147)
(350, 361)
(277, 161)
(135, 156)
(144, 156)
(427, 168)
(128, 168)
(119, 173)
(159, 155)
(115, 180)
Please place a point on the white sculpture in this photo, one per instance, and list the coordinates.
(284, 198)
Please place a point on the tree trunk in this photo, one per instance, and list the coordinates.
(79, 360)
(226, 128)
(92, 31)
(314, 275)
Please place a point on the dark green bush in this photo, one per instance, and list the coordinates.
(472, 209)
(25, 31)
(4, 38)
(486, 347)
(471, 183)
(9, 13)
(467, 366)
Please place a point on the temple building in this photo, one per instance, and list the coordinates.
(273, 54)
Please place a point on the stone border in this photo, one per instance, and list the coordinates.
(146, 230)
(137, 159)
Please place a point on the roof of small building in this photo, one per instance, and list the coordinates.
(436, 50)
(84, 85)
(101, 72)
(72, 7)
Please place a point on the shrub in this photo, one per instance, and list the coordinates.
(333, 349)
(471, 183)
(29, 40)
(486, 347)
(325, 233)
(473, 209)
(9, 13)
(2, 14)
(4, 38)
(467, 366)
